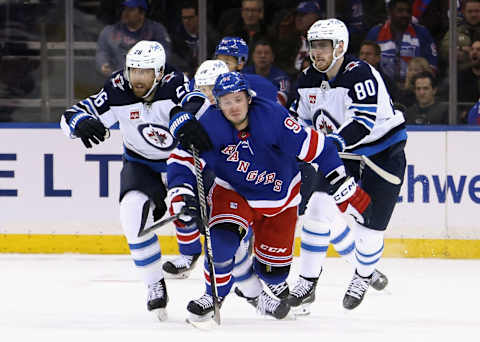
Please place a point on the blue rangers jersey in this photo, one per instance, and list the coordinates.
(354, 108)
(260, 162)
(144, 125)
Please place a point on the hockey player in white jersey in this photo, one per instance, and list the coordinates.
(347, 100)
(139, 98)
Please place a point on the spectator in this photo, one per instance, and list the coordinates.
(307, 13)
(263, 59)
(284, 39)
(370, 53)
(469, 81)
(426, 110)
(249, 26)
(360, 16)
(186, 43)
(468, 32)
(474, 115)
(400, 40)
(115, 40)
(406, 92)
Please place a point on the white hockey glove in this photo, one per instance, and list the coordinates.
(183, 202)
(351, 198)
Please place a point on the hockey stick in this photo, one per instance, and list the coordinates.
(391, 178)
(160, 223)
(208, 241)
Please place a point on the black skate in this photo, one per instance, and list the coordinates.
(356, 291)
(281, 291)
(180, 267)
(201, 309)
(302, 295)
(158, 299)
(379, 280)
(266, 305)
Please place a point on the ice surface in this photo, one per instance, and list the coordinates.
(99, 298)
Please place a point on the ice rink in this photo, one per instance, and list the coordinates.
(99, 298)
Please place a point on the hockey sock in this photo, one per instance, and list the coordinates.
(315, 237)
(368, 249)
(145, 250)
(224, 246)
(188, 239)
(343, 239)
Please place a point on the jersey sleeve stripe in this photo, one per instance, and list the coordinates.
(369, 125)
(312, 146)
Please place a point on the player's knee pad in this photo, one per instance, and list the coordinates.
(134, 209)
(271, 274)
(321, 207)
(225, 240)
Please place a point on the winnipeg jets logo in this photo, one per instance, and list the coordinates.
(324, 122)
(157, 136)
(352, 65)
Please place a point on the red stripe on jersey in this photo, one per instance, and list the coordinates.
(312, 148)
(274, 211)
(187, 159)
(188, 238)
(219, 280)
(225, 218)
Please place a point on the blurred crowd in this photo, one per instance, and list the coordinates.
(407, 41)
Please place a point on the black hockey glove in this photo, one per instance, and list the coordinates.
(91, 130)
(188, 131)
(183, 201)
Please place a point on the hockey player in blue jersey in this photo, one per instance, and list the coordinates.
(347, 99)
(252, 146)
(232, 52)
(139, 98)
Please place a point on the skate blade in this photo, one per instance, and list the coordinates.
(161, 314)
(183, 275)
(205, 324)
(301, 310)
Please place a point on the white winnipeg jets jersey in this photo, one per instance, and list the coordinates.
(144, 126)
(354, 107)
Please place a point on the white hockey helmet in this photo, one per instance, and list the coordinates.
(331, 29)
(208, 72)
(146, 54)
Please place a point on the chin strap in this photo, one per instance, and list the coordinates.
(334, 60)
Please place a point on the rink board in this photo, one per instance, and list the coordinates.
(57, 197)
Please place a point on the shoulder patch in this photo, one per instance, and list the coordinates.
(118, 81)
(350, 66)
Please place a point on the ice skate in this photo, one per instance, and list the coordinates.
(302, 295)
(158, 299)
(266, 305)
(356, 291)
(181, 266)
(379, 280)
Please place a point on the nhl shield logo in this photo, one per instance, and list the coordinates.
(312, 99)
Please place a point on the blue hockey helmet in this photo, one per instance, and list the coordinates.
(230, 82)
(233, 46)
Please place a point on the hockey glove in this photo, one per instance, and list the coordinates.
(188, 131)
(351, 198)
(183, 201)
(90, 130)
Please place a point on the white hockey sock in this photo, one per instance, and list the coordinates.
(315, 238)
(343, 239)
(144, 250)
(368, 249)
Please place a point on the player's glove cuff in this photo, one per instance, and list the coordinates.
(76, 119)
(177, 122)
(337, 140)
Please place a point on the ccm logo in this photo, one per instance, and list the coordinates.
(272, 249)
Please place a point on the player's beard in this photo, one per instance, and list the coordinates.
(140, 91)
